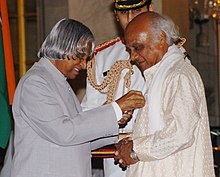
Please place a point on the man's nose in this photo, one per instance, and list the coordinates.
(129, 16)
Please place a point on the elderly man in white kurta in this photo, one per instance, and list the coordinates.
(171, 136)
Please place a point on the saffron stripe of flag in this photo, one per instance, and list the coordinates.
(9, 62)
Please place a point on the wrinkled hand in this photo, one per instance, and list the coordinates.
(131, 100)
(123, 151)
(126, 117)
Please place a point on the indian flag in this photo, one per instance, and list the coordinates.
(7, 78)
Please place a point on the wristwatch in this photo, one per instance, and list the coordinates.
(133, 155)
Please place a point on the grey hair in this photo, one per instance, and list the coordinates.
(162, 23)
(67, 36)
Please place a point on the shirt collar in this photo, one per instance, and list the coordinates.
(150, 71)
(52, 69)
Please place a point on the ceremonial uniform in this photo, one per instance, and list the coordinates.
(106, 55)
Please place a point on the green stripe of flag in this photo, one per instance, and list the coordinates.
(5, 124)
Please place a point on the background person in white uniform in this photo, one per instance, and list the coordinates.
(106, 55)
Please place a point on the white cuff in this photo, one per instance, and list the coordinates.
(117, 109)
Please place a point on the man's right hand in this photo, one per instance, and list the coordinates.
(123, 152)
(131, 100)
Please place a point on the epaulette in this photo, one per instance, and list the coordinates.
(106, 45)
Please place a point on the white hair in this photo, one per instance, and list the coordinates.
(67, 36)
(160, 23)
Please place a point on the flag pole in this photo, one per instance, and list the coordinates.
(21, 38)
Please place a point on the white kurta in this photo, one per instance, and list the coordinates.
(183, 147)
(93, 98)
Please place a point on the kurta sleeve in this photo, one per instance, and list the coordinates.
(43, 110)
(181, 113)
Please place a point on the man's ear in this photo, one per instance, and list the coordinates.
(162, 38)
